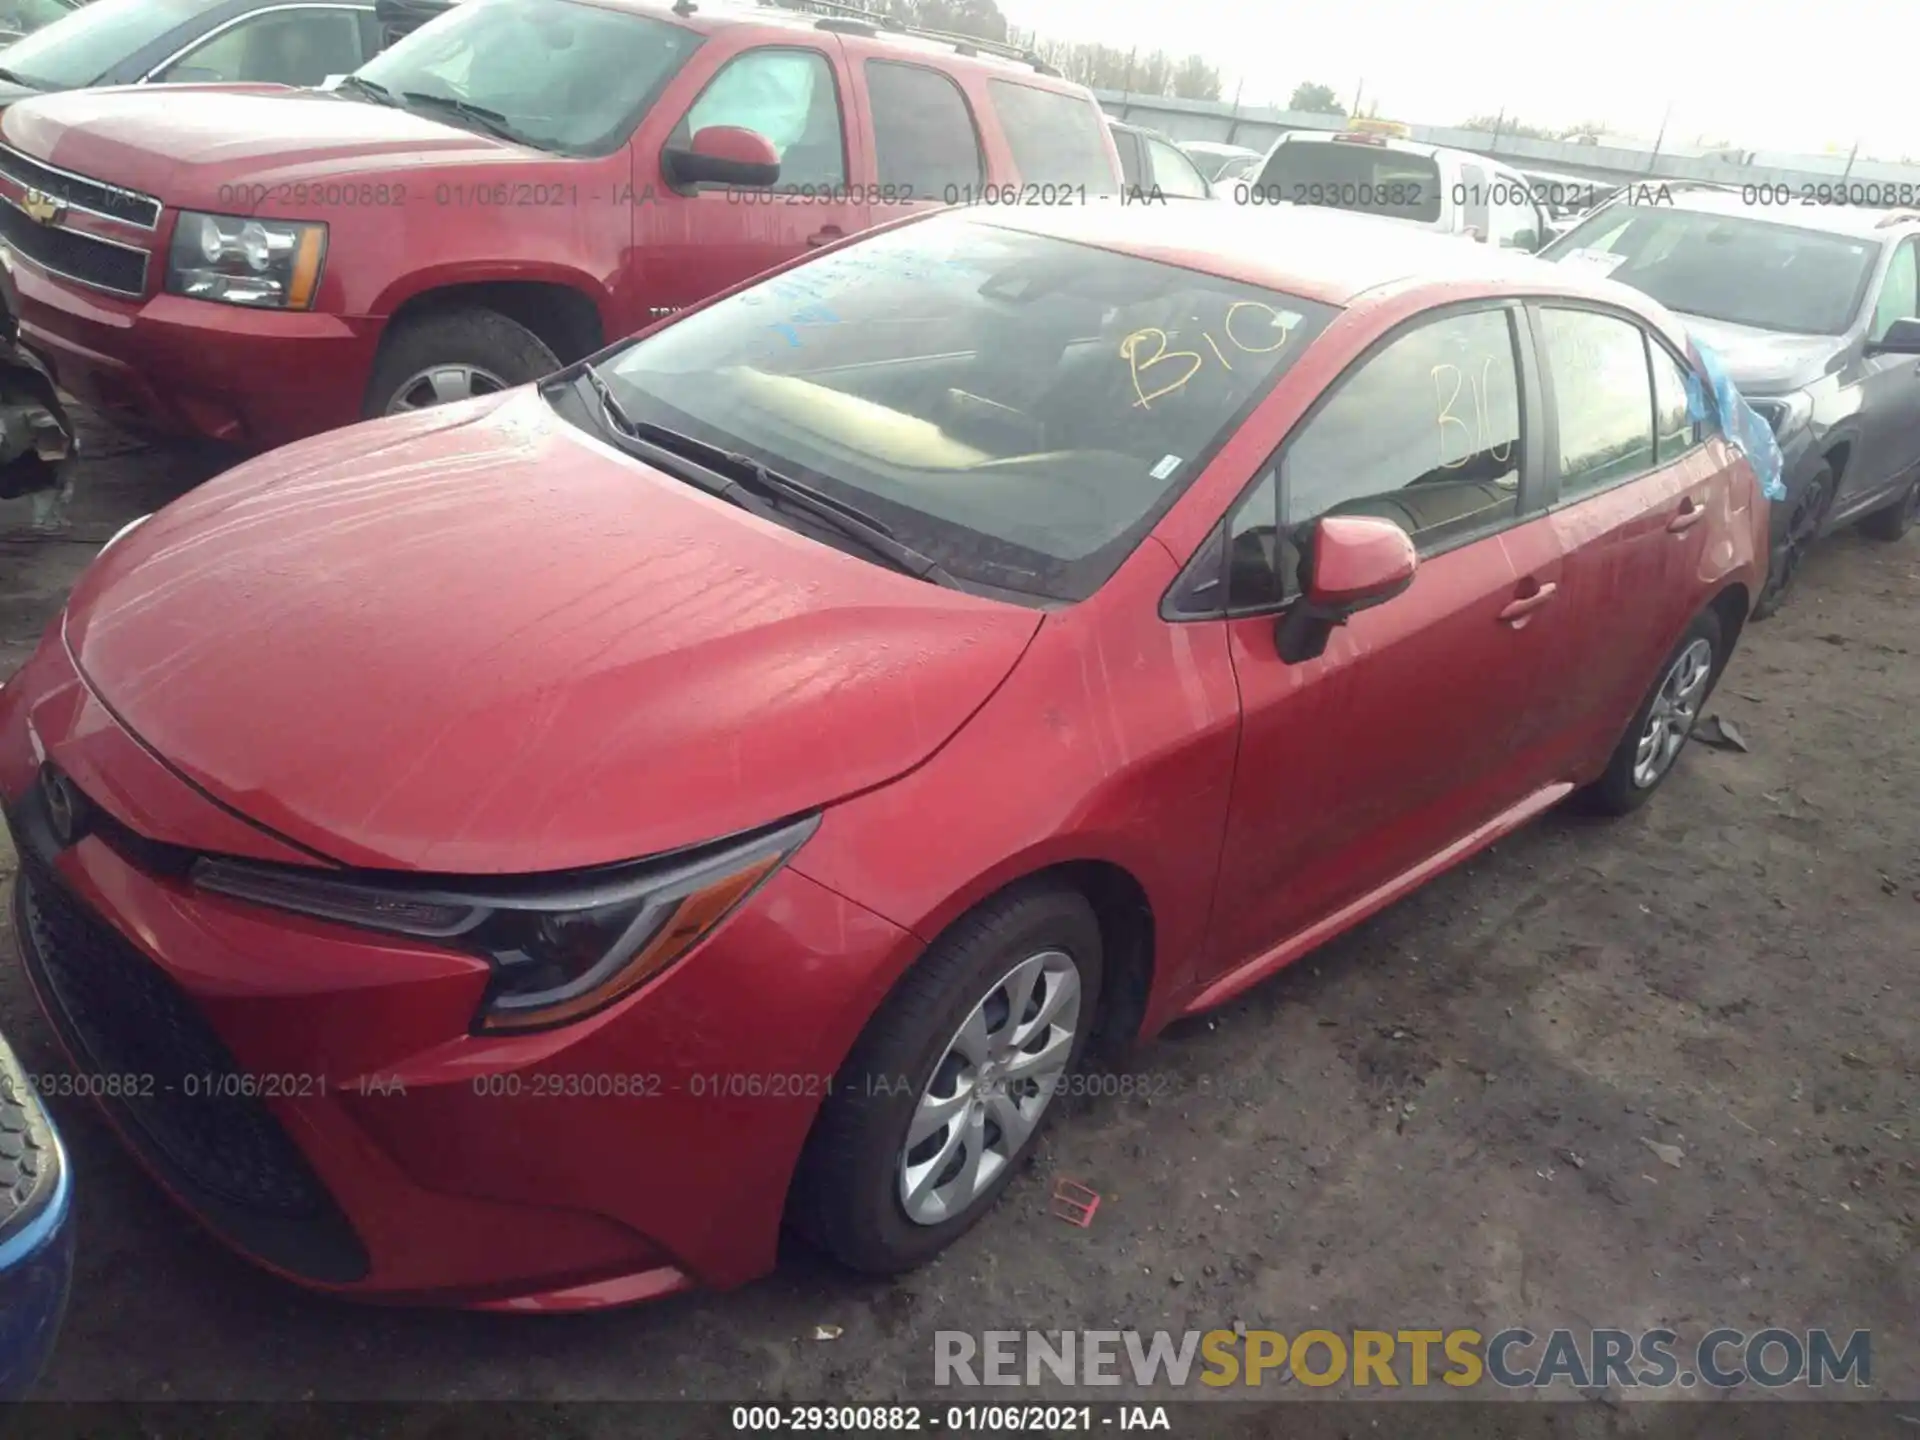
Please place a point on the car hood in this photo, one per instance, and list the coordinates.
(184, 143)
(476, 641)
(1767, 362)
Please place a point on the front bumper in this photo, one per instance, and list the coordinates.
(313, 1094)
(249, 378)
(36, 1231)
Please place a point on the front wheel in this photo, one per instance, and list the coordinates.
(1803, 528)
(1892, 521)
(1647, 752)
(943, 1097)
(438, 359)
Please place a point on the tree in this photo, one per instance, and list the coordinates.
(1315, 99)
(979, 18)
(1195, 79)
(1487, 124)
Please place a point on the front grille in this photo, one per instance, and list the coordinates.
(87, 259)
(109, 201)
(161, 1069)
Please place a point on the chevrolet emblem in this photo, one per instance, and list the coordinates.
(43, 207)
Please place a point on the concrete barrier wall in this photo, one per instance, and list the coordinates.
(1257, 128)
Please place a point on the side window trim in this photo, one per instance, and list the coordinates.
(1647, 341)
(829, 57)
(873, 119)
(1535, 498)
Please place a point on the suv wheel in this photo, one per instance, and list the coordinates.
(1653, 742)
(941, 1101)
(1803, 528)
(452, 356)
(1893, 521)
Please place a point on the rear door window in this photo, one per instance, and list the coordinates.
(925, 143)
(1056, 139)
(1370, 178)
(1602, 398)
(1173, 173)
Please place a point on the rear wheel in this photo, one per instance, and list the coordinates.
(1803, 528)
(943, 1097)
(1892, 521)
(1647, 752)
(438, 359)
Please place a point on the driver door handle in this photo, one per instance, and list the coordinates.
(1516, 610)
(1690, 514)
(825, 235)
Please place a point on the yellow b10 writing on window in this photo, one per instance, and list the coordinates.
(1448, 383)
(1149, 348)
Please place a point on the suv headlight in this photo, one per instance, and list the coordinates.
(561, 948)
(265, 264)
(1785, 413)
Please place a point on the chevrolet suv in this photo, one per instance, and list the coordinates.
(505, 190)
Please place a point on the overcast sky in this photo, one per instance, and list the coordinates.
(1765, 74)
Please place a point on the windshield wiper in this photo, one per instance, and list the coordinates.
(492, 121)
(771, 488)
(379, 94)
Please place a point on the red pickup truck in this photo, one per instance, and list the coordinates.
(504, 191)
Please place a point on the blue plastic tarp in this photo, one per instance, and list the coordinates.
(1719, 403)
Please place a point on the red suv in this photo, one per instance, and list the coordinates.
(517, 854)
(502, 192)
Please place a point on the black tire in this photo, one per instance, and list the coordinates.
(1616, 792)
(847, 1192)
(1804, 525)
(1890, 522)
(482, 340)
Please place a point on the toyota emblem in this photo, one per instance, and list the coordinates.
(64, 807)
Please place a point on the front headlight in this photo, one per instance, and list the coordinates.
(1784, 413)
(561, 948)
(266, 264)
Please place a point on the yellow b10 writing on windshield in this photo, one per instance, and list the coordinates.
(1156, 345)
(1448, 382)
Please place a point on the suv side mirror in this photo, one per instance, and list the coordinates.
(1527, 240)
(723, 155)
(1348, 563)
(1902, 338)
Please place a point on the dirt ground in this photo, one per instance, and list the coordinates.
(1445, 1119)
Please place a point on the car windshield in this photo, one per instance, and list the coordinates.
(1375, 179)
(1019, 407)
(77, 50)
(1733, 268)
(23, 17)
(554, 74)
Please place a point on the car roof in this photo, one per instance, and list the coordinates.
(1394, 142)
(709, 18)
(1215, 148)
(1317, 253)
(1857, 221)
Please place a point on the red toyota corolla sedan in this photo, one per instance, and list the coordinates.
(519, 854)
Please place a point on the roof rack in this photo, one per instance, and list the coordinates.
(1897, 217)
(848, 19)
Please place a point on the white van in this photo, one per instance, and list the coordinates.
(1373, 169)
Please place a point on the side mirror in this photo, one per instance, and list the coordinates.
(1349, 563)
(1902, 338)
(724, 155)
(1527, 240)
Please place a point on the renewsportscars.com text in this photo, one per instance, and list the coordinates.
(1513, 1359)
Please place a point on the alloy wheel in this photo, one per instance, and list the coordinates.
(1801, 531)
(992, 1084)
(1675, 708)
(443, 385)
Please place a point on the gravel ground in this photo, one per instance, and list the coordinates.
(1446, 1118)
